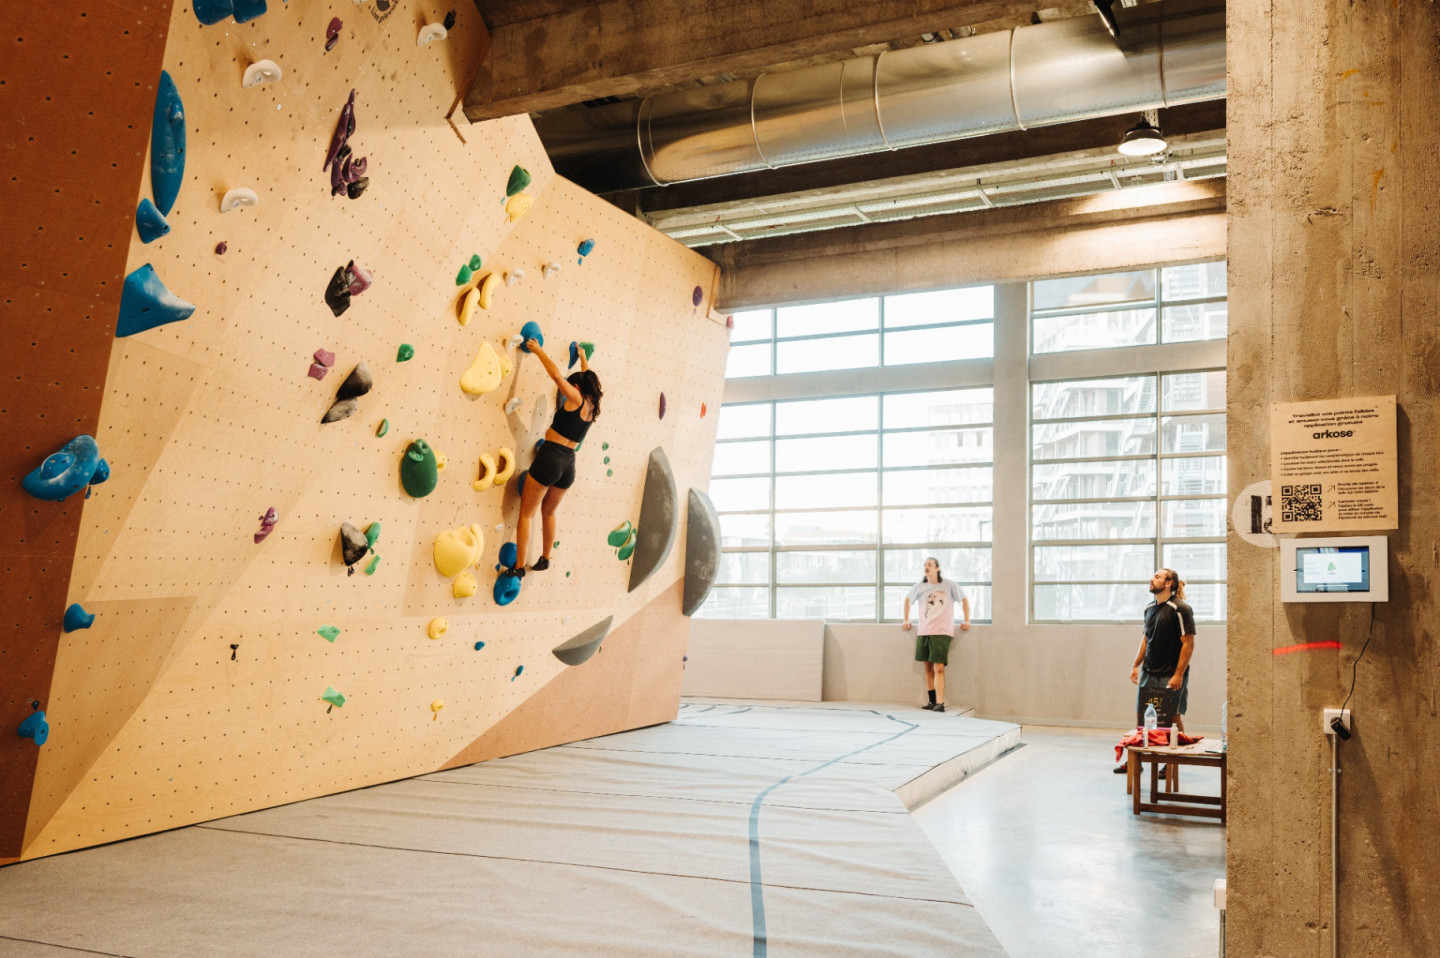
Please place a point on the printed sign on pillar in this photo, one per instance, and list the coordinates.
(1333, 465)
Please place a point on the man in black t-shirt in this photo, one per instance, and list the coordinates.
(1163, 661)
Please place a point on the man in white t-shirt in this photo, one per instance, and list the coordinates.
(935, 599)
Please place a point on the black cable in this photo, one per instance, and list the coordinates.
(1355, 668)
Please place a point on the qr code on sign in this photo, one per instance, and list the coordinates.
(1300, 503)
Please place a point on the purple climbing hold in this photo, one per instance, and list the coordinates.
(662, 405)
(267, 524)
(332, 35)
(348, 171)
(729, 322)
(697, 295)
(318, 371)
(325, 357)
(221, 247)
(345, 126)
(359, 278)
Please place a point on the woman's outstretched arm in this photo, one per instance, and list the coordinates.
(571, 393)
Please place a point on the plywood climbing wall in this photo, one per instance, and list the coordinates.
(197, 691)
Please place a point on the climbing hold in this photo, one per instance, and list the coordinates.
(506, 459)
(579, 649)
(435, 707)
(328, 632)
(729, 322)
(267, 525)
(358, 278)
(662, 405)
(529, 331)
(35, 727)
(702, 551)
(609, 472)
(518, 205)
(77, 618)
(520, 483)
(555, 544)
(353, 546)
(372, 534)
(475, 261)
(405, 353)
(458, 549)
(479, 646)
(345, 125)
(604, 445)
(513, 277)
(463, 277)
(484, 373)
(419, 469)
(247, 10)
(332, 34)
(702, 410)
(607, 460)
(696, 295)
(509, 555)
(499, 527)
(74, 466)
(262, 71)
(584, 249)
(550, 269)
(467, 304)
(438, 626)
(440, 459)
(358, 383)
(343, 409)
(519, 179)
(333, 697)
(383, 428)
(145, 303)
(374, 564)
(149, 223)
(487, 289)
(512, 404)
(236, 198)
(167, 144)
(430, 33)
(324, 357)
(337, 292)
(221, 248)
(464, 585)
(626, 551)
(317, 371)
(450, 20)
(620, 535)
(659, 519)
(348, 173)
(487, 473)
(518, 669)
(211, 12)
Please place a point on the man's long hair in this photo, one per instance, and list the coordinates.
(938, 577)
(1177, 587)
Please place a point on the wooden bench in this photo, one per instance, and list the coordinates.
(1172, 801)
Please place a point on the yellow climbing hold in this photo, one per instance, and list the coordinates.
(507, 466)
(518, 205)
(487, 473)
(436, 706)
(467, 304)
(458, 549)
(465, 585)
(485, 371)
(438, 627)
(487, 289)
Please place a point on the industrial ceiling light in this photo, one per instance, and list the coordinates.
(1107, 17)
(1143, 139)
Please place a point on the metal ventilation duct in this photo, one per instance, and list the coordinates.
(1167, 54)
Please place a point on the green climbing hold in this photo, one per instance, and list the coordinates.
(604, 445)
(405, 353)
(607, 460)
(519, 179)
(609, 472)
(475, 261)
(329, 632)
(372, 534)
(463, 277)
(627, 550)
(419, 469)
(620, 534)
(375, 562)
(383, 428)
(333, 697)
(567, 575)
(556, 545)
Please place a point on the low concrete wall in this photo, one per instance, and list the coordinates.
(755, 659)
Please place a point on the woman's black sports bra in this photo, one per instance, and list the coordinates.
(569, 424)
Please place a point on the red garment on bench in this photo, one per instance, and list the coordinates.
(1160, 737)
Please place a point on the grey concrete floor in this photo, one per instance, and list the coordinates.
(1045, 845)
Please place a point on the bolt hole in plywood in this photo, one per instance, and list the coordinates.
(212, 420)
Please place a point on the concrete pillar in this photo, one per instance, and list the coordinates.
(1334, 246)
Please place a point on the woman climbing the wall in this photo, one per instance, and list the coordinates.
(553, 470)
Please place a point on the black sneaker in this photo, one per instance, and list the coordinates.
(518, 573)
(540, 564)
(1120, 769)
(940, 707)
(929, 706)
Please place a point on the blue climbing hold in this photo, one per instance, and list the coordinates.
(479, 646)
(35, 727)
(529, 331)
(247, 10)
(518, 670)
(211, 12)
(77, 618)
(507, 589)
(149, 223)
(145, 303)
(520, 483)
(167, 145)
(508, 554)
(584, 249)
(76, 465)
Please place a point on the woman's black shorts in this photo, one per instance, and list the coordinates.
(554, 465)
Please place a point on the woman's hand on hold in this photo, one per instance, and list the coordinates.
(533, 345)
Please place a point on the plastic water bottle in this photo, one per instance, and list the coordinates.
(1224, 726)
(1151, 721)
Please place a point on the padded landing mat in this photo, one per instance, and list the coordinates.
(735, 830)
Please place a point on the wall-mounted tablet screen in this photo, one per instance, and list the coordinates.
(1342, 569)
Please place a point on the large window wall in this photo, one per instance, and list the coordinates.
(859, 437)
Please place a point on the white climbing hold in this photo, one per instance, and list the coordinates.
(237, 198)
(514, 276)
(512, 404)
(514, 341)
(430, 33)
(550, 269)
(262, 71)
(499, 527)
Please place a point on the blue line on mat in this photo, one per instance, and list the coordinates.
(757, 889)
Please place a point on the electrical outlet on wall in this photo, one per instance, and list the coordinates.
(1329, 716)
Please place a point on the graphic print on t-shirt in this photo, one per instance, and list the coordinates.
(937, 612)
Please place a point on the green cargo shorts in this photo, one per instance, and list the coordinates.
(933, 648)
